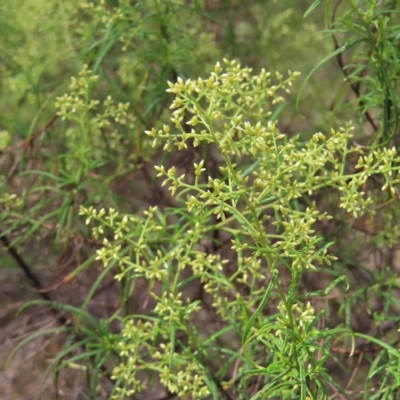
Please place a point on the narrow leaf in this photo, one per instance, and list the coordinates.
(264, 301)
(312, 8)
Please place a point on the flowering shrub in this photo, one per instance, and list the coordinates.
(232, 248)
(260, 206)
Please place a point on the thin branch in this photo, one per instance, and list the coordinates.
(33, 279)
(28, 142)
(354, 86)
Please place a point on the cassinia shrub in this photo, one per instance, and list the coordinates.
(260, 202)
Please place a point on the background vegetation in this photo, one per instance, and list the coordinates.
(228, 237)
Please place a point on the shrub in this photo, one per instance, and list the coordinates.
(255, 275)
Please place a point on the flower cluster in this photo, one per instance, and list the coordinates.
(76, 101)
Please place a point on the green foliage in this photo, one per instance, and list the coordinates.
(248, 205)
(367, 33)
(247, 278)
